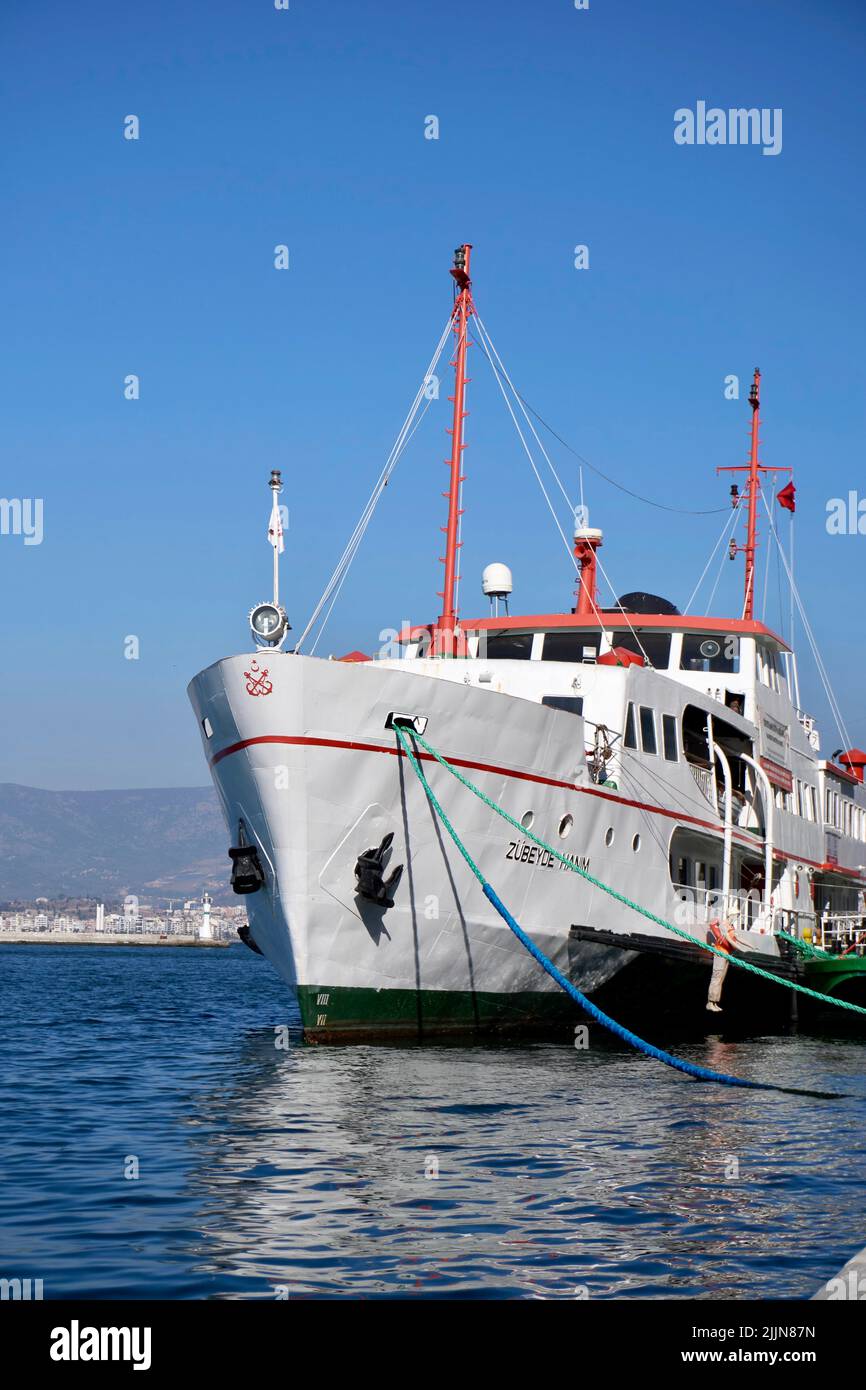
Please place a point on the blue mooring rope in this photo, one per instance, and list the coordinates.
(649, 1049)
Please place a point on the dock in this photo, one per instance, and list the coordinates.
(103, 938)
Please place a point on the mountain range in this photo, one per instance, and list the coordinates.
(159, 844)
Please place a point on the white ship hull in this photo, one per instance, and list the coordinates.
(665, 752)
(313, 771)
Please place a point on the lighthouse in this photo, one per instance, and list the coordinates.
(205, 931)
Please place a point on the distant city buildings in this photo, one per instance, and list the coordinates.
(196, 918)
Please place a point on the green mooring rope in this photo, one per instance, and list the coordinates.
(612, 892)
(805, 948)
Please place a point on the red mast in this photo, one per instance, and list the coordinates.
(753, 492)
(444, 636)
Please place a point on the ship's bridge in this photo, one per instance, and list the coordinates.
(728, 659)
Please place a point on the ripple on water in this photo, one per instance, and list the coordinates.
(496, 1172)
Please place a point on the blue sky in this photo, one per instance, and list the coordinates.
(261, 127)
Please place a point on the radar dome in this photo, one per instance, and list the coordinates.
(496, 581)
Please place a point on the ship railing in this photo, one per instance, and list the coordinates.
(705, 782)
(807, 723)
(841, 930)
(701, 906)
(715, 795)
(830, 931)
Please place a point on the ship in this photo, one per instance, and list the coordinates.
(660, 753)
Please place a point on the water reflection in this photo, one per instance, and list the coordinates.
(486, 1171)
(516, 1171)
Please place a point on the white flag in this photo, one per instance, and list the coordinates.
(275, 528)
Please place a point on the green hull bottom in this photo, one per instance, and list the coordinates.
(842, 976)
(342, 1015)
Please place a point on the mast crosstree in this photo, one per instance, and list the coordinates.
(753, 493)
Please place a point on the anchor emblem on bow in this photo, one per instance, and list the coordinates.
(257, 680)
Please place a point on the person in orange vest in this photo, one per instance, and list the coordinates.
(723, 936)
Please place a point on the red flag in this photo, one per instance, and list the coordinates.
(785, 498)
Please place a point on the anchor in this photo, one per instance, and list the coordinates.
(247, 873)
(369, 874)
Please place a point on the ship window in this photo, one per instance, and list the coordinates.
(505, 646)
(768, 666)
(669, 738)
(654, 646)
(629, 738)
(572, 704)
(208, 727)
(702, 651)
(571, 646)
(648, 730)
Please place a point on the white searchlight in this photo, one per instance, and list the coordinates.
(269, 624)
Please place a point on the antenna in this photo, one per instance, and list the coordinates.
(275, 530)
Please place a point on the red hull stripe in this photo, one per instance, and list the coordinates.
(304, 741)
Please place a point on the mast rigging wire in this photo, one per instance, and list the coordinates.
(729, 526)
(346, 568)
(819, 662)
(487, 343)
(662, 506)
(405, 434)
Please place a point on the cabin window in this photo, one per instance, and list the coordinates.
(505, 646)
(768, 667)
(629, 738)
(669, 738)
(648, 730)
(654, 646)
(703, 651)
(571, 646)
(572, 704)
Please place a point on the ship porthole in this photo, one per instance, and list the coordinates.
(635, 844)
(608, 836)
(526, 820)
(565, 826)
